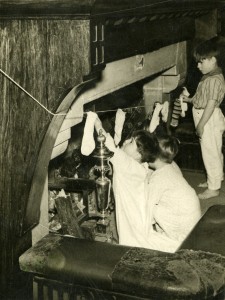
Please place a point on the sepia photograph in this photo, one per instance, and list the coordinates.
(112, 144)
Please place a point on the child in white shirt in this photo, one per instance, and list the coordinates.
(154, 209)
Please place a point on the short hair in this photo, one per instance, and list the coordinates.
(168, 147)
(147, 145)
(213, 47)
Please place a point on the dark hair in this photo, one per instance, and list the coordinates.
(168, 147)
(147, 145)
(214, 47)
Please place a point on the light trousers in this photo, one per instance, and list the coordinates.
(211, 146)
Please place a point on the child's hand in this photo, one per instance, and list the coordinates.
(185, 92)
(184, 96)
(98, 126)
(109, 143)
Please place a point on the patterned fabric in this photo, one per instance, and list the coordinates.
(176, 113)
(211, 87)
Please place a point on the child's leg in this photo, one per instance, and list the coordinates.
(197, 114)
(211, 146)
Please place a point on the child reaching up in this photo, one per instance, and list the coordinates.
(129, 175)
(155, 208)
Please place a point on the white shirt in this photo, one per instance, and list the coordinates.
(173, 207)
(129, 190)
(144, 197)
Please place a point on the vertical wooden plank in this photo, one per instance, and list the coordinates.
(23, 57)
(66, 50)
(47, 58)
(68, 56)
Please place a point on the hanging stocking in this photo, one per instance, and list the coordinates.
(120, 118)
(184, 105)
(165, 111)
(176, 113)
(88, 142)
(155, 117)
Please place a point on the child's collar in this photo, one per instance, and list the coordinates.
(212, 73)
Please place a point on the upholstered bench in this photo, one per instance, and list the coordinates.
(209, 234)
(65, 267)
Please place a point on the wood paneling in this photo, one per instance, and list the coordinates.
(47, 58)
(23, 57)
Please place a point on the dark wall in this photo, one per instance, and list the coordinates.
(46, 58)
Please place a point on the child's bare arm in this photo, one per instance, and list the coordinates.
(187, 99)
(208, 111)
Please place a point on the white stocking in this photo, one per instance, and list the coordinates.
(155, 117)
(165, 111)
(184, 106)
(88, 142)
(120, 118)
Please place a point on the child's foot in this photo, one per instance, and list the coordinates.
(208, 194)
(203, 185)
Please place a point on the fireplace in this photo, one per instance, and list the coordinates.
(133, 84)
(156, 61)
